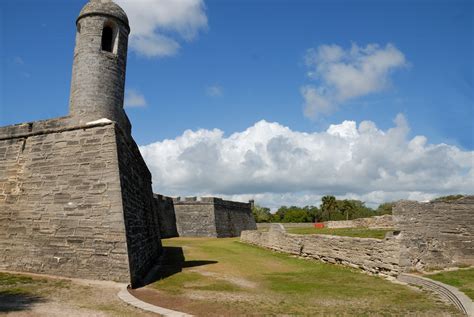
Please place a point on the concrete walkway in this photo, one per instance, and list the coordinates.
(128, 298)
(448, 293)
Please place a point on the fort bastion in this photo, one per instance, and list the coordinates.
(76, 196)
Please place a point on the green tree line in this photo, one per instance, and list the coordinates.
(330, 209)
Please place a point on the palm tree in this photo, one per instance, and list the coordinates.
(329, 205)
(348, 208)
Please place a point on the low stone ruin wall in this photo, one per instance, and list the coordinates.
(372, 255)
(382, 222)
(376, 222)
(436, 234)
(288, 225)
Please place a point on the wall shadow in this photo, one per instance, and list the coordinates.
(171, 262)
(14, 302)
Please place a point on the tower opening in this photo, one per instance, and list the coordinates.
(107, 39)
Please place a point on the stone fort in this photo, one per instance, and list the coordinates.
(76, 196)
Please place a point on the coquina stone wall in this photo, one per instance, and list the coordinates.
(59, 190)
(232, 218)
(376, 222)
(385, 221)
(212, 217)
(75, 201)
(167, 218)
(75, 193)
(267, 225)
(195, 218)
(436, 234)
(141, 218)
(372, 255)
(98, 76)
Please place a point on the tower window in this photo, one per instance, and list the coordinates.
(107, 39)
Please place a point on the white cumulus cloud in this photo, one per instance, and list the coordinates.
(276, 165)
(341, 75)
(134, 99)
(157, 26)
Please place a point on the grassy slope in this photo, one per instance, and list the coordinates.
(249, 280)
(349, 232)
(462, 279)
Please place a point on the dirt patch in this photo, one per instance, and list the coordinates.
(183, 304)
(240, 282)
(222, 296)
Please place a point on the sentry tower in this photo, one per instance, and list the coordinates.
(100, 58)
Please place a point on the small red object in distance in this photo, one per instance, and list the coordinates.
(319, 225)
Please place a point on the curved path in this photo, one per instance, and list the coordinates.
(446, 292)
(128, 298)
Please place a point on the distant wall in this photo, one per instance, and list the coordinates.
(436, 234)
(385, 221)
(371, 255)
(166, 216)
(195, 218)
(212, 217)
(287, 225)
(232, 218)
(382, 222)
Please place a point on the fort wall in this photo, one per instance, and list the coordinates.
(375, 256)
(60, 202)
(164, 208)
(195, 218)
(139, 213)
(232, 218)
(75, 200)
(75, 193)
(212, 217)
(35, 128)
(436, 234)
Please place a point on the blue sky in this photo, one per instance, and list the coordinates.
(241, 61)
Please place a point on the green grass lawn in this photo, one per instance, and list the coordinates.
(348, 232)
(240, 279)
(462, 279)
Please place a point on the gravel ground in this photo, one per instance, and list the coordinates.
(28, 295)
